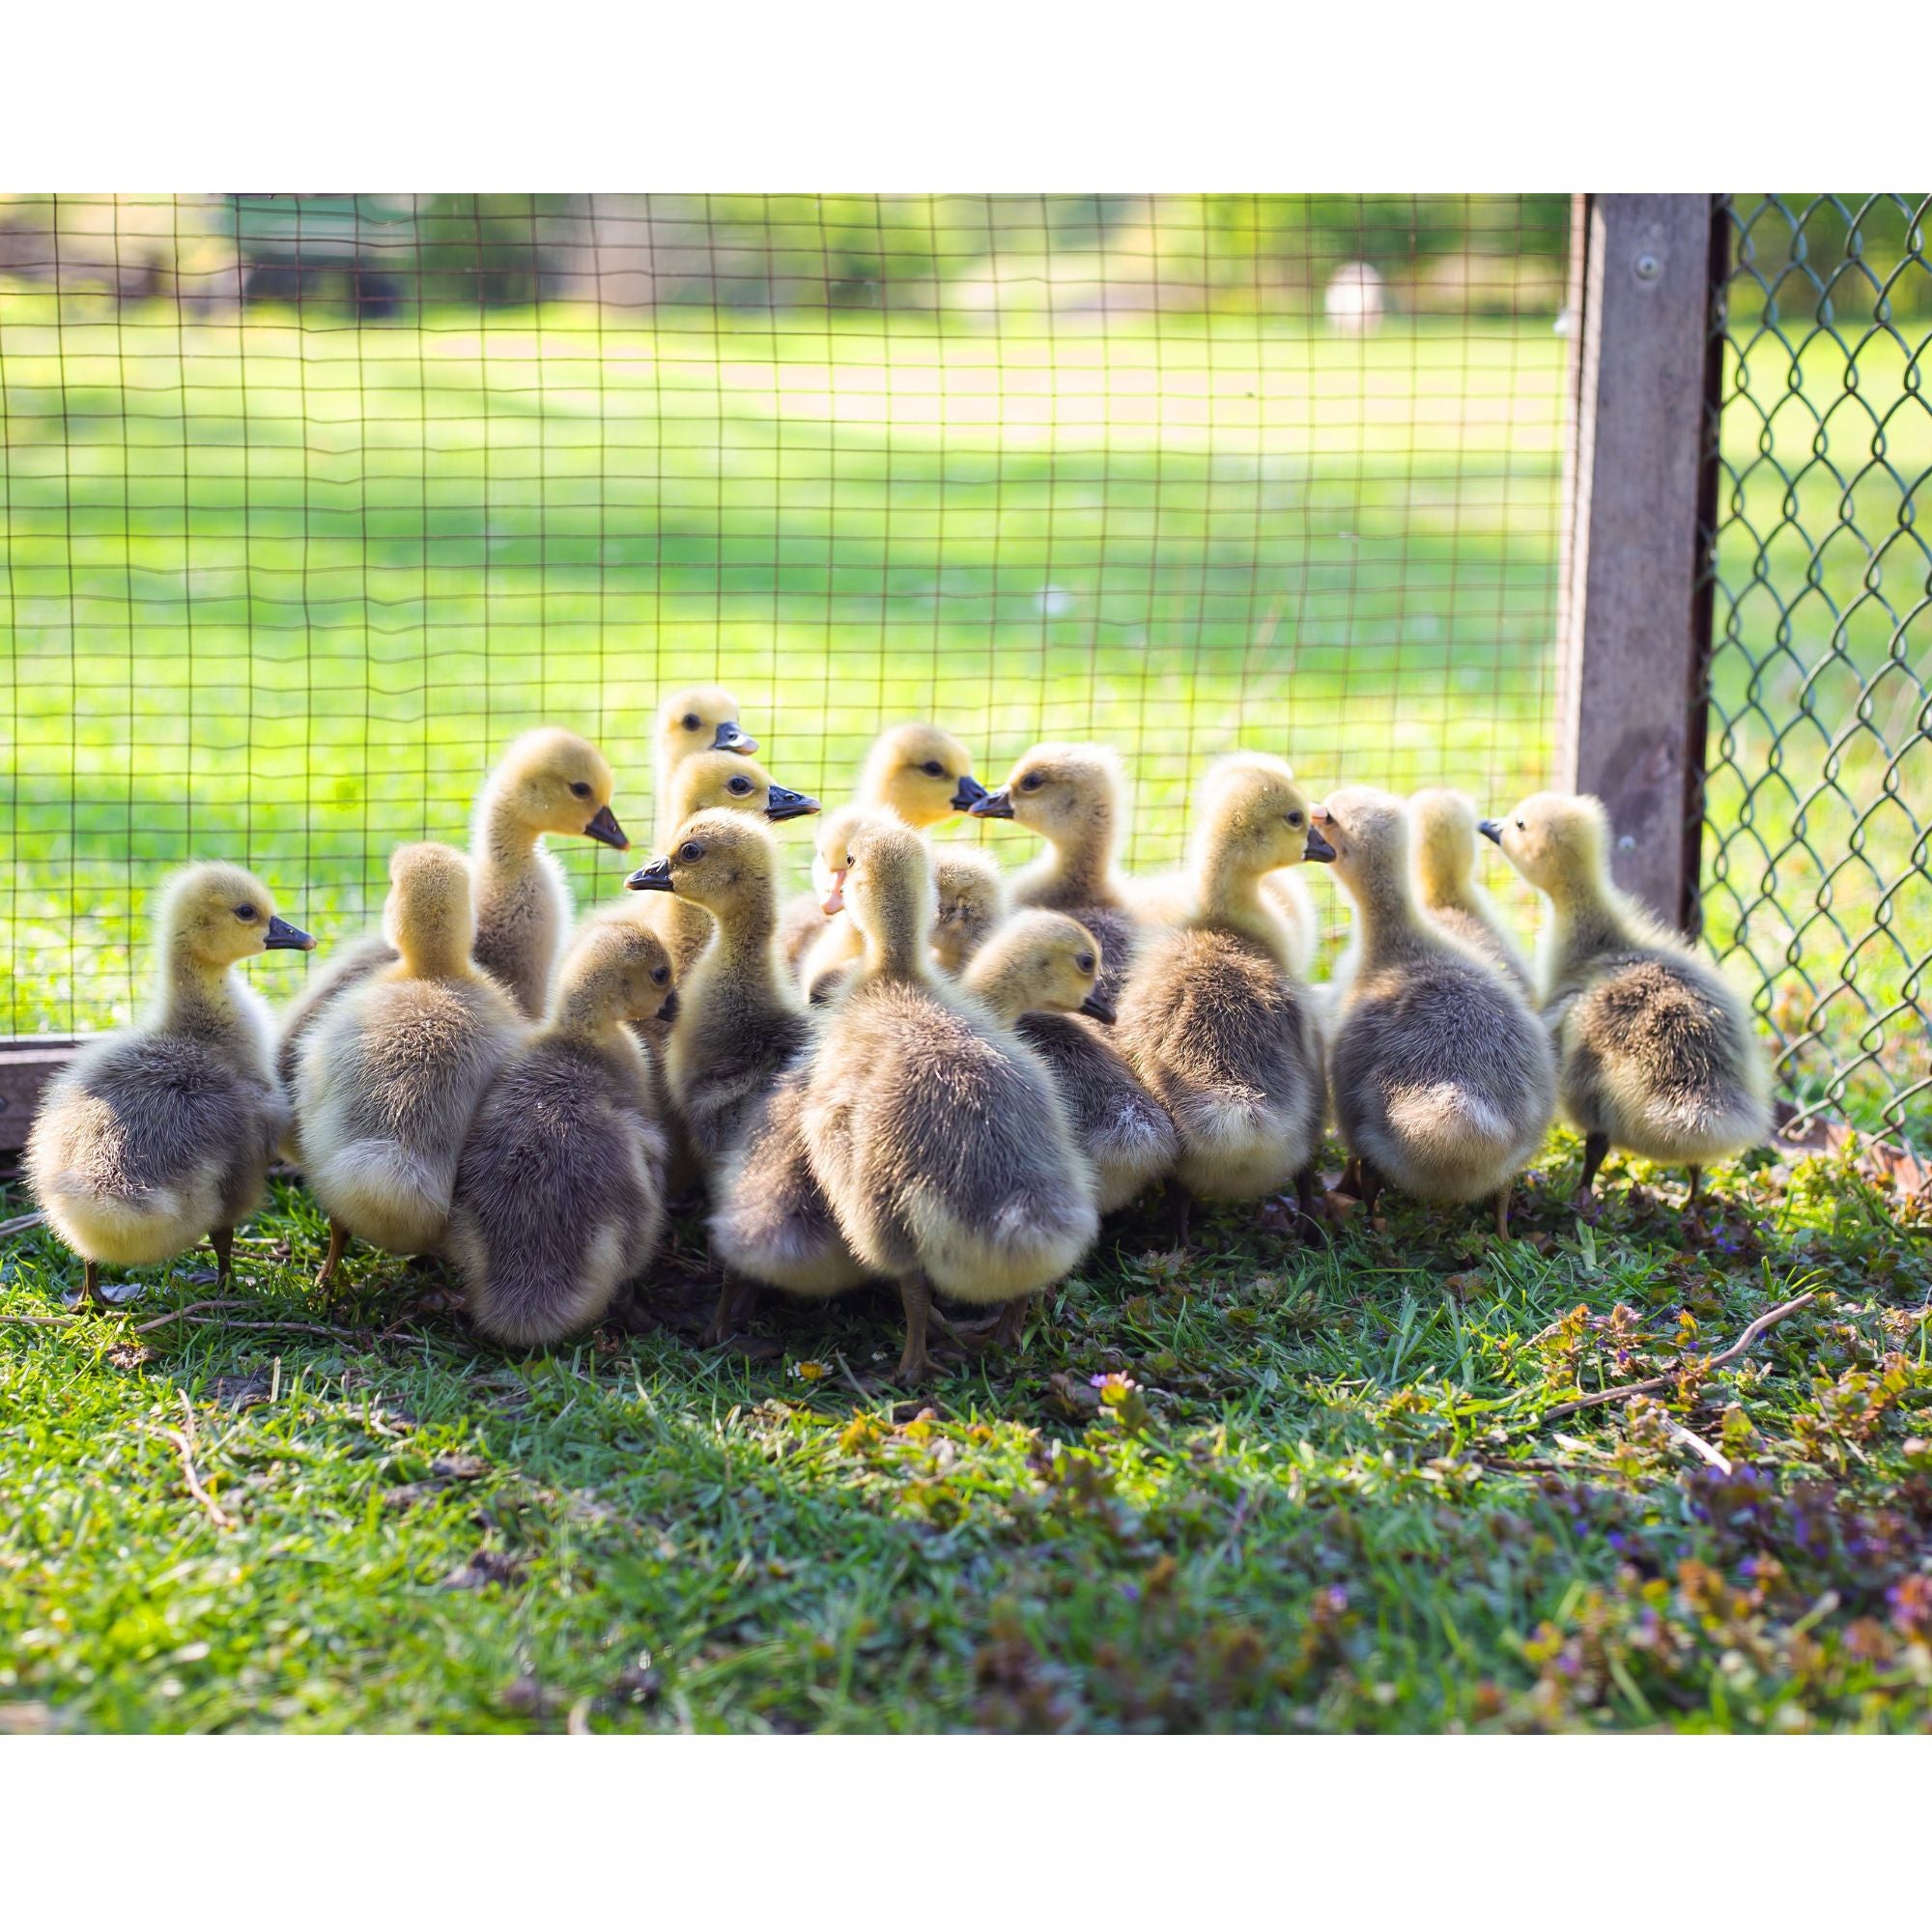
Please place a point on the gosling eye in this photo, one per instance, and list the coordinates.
(1032, 781)
(933, 769)
(690, 852)
(1520, 826)
(692, 720)
(245, 913)
(739, 786)
(1295, 820)
(578, 789)
(1085, 961)
(658, 975)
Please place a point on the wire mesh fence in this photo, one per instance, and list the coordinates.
(1817, 886)
(310, 502)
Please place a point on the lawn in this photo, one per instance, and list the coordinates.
(1248, 1488)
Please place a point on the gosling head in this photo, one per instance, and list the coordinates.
(1256, 817)
(1041, 962)
(732, 781)
(1441, 845)
(214, 915)
(618, 970)
(724, 860)
(970, 896)
(1559, 842)
(1061, 791)
(702, 718)
(831, 854)
(889, 892)
(553, 781)
(430, 916)
(1367, 831)
(922, 773)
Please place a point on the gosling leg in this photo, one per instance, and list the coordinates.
(1372, 1187)
(915, 1296)
(88, 1294)
(1595, 1147)
(223, 1241)
(1311, 1226)
(1012, 1324)
(737, 1303)
(1696, 1182)
(1180, 1209)
(1503, 1209)
(338, 1241)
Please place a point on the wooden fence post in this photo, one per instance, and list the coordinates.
(1640, 474)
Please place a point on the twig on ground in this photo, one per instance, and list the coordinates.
(852, 1381)
(1625, 1390)
(1688, 1438)
(195, 1315)
(185, 1444)
(20, 1223)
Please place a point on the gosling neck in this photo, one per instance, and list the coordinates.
(196, 997)
(1388, 922)
(896, 950)
(1078, 868)
(1002, 990)
(503, 844)
(434, 954)
(1586, 916)
(742, 946)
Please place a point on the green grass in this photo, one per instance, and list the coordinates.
(1324, 1504)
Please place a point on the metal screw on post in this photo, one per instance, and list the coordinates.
(1648, 268)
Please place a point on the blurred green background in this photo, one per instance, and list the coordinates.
(310, 503)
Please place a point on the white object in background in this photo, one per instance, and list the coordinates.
(1353, 299)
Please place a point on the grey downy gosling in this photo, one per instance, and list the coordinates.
(559, 1201)
(1443, 1081)
(739, 1056)
(1073, 796)
(1215, 1018)
(939, 1136)
(1655, 1052)
(1039, 975)
(391, 1074)
(548, 780)
(921, 773)
(163, 1133)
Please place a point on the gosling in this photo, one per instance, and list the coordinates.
(738, 1057)
(163, 1133)
(392, 1075)
(1039, 975)
(1215, 1020)
(939, 1138)
(1443, 1081)
(1071, 795)
(560, 1200)
(1654, 1053)
(921, 775)
(701, 719)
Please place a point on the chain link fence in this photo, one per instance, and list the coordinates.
(1817, 884)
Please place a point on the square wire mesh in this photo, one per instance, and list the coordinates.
(310, 502)
(1819, 768)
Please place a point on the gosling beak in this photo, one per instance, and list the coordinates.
(669, 1011)
(286, 938)
(967, 793)
(1318, 848)
(1492, 830)
(785, 804)
(1098, 1009)
(605, 830)
(652, 878)
(728, 738)
(993, 804)
(834, 901)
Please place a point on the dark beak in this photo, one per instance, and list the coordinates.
(1096, 1009)
(993, 804)
(605, 830)
(967, 793)
(1318, 848)
(790, 804)
(1492, 830)
(728, 738)
(652, 878)
(286, 938)
(669, 1011)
